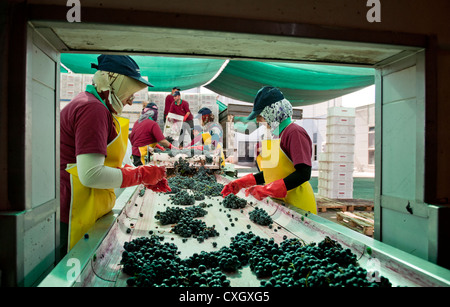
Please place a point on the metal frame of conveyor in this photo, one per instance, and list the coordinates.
(87, 258)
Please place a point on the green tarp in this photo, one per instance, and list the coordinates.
(302, 84)
(163, 72)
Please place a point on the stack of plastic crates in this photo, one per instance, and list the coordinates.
(336, 162)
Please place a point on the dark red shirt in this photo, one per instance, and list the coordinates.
(145, 133)
(169, 101)
(181, 109)
(86, 126)
(296, 144)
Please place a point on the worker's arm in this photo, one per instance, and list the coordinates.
(259, 177)
(94, 174)
(165, 143)
(279, 188)
(301, 174)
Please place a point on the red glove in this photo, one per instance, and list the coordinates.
(276, 189)
(146, 174)
(185, 117)
(236, 185)
(161, 186)
(173, 147)
(159, 147)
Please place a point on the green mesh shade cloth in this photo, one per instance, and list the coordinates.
(221, 105)
(301, 84)
(163, 72)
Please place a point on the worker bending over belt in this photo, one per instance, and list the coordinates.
(94, 138)
(146, 132)
(210, 136)
(285, 161)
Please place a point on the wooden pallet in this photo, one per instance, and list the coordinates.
(366, 205)
(324, 203)
(359, 221)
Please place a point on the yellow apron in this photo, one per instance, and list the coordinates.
(206, 136)
(144, 151)
(276, 165)
(89, 204)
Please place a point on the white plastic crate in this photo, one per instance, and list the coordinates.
(158, 98)
(339, 148)
(192, 98)
(341, 129)
(344, 194)
(342, 185)
(336, 166)
(336, 176)
(341, 111)
(336, 157)
(341, 120)
(340, 139)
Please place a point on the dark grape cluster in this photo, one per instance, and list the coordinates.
(182, 198)
(199, 195)
(153, 264)
(260, 216)
(292, 263)
(182, 166)
(234, 202)
(172, 215)
(208, 159)
(203, 183)
(189, 226)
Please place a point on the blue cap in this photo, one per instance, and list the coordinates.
(121, 64)
(265, 97)
(203, 111)
(152, 105)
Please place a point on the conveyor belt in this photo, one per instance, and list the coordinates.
(100, 256)
(164, 159)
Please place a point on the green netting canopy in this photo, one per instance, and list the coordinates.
(301, 84)
(163, 72)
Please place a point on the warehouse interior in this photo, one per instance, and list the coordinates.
(410, 60)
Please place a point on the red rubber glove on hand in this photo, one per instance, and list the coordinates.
(185, 117)
(161, 186)
(146, 174)
(236, 185)
(276, 189)
(160, 147)
(173, 147)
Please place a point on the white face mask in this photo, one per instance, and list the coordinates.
(120, 88)
(116, 103)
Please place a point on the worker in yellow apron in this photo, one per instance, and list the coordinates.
(283, 178)
(89, 204)
(91, 118)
